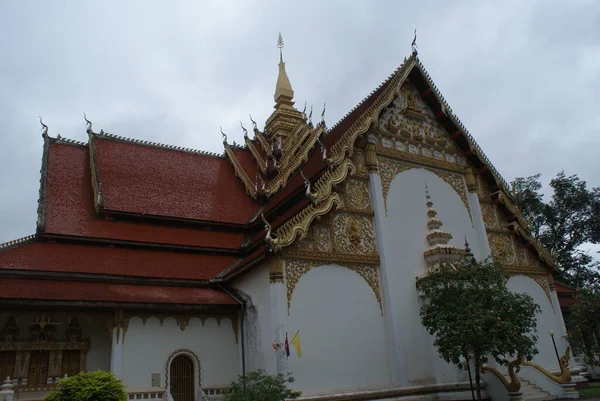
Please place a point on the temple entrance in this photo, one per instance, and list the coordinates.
(182, 378)
(38, 369)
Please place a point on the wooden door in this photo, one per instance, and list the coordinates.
(182, 378)
(37, 375)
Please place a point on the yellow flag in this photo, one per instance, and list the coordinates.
(296, 343)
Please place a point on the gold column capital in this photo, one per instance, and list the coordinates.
(275, 269)
(370, 157)
(470, 179)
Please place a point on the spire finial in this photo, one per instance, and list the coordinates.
(284, 94)
(413, 45)
(280, 46)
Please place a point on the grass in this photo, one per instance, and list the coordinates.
(592, 392)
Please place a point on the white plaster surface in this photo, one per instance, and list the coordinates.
(404, 230)
(341, 330)
(254, 286)
(547, 320)
(147, 348)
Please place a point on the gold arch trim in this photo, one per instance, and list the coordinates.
(296, 268)
(389, 169)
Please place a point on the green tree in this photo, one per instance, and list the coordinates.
(90, 386)
(258, 386)
(584, 326)
(570, 219)
(472, 314)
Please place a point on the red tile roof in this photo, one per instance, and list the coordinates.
(91, 259)
(150, 180)
(69, 209)
(104, 292)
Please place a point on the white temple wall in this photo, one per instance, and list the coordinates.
(546, 321)
(342, 333)
(254, 286)
(147, 348)
(404, 230)
(93, 327)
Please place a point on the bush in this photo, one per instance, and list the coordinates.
(258, 386)
(91, 386)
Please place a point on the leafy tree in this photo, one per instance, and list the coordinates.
(91, 386)
(570, 219)
(258, 386)
(473, 314)
(584, 326)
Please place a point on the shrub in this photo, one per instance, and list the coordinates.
(258, 386)
(90, 386)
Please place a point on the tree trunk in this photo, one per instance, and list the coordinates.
(477, 376)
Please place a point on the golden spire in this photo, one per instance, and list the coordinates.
(284, 94)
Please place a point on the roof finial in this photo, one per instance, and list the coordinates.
(44, 128)
(88, 123)
(413, 45)
(245, 130)
(280, 46)
(224, 136)
(323, 114)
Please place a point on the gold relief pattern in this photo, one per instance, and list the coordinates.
(502, 220)
(521, 253)
(357, 195)
(485, 192)
(358, 158)
(295, 269)
(488, 212)
(322, 238)
(353, 234)
(502, 248)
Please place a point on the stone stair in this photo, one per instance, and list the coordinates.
(531, 392)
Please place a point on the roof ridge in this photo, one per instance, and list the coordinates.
(17, 241)
(474, 145)
(59, 138)
(158, 145)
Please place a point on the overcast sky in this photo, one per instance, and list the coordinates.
(522, 75)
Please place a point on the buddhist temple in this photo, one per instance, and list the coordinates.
(295, 252)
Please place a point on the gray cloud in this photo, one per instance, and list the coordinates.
(522, 76)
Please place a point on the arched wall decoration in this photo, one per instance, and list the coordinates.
(542, 281)
(296, 268)
(197, 366)
(389, 169)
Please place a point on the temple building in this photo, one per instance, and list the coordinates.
(297, 251)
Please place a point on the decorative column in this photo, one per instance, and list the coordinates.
(118, 327)
(277, 297)
(397, 367)
(478, 223)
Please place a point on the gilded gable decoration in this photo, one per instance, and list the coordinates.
(357, 192)
(295, 269)
(354, 234)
